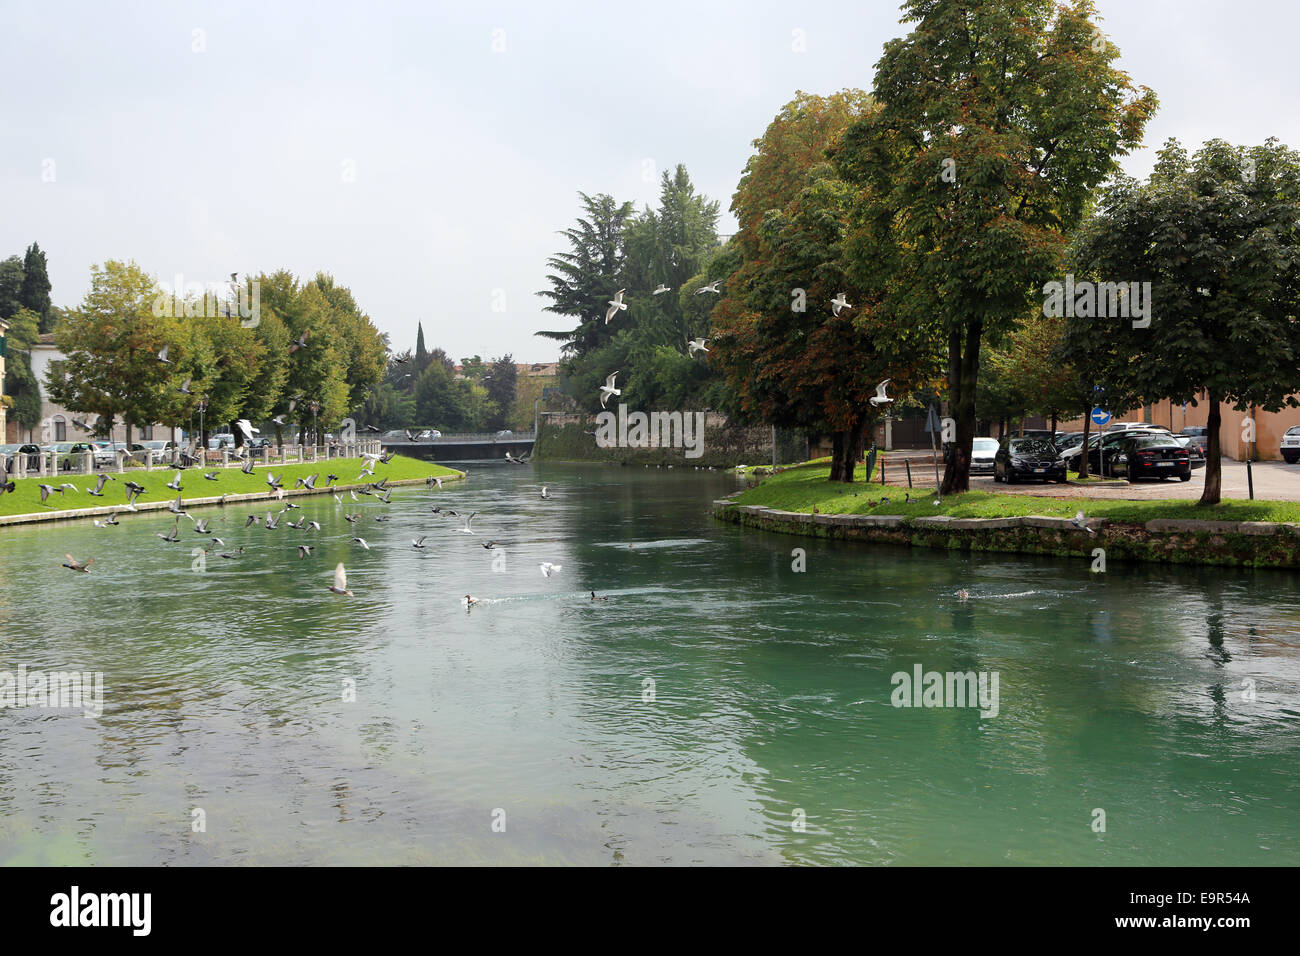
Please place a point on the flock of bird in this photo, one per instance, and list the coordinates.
(617, 305)
(270, 520)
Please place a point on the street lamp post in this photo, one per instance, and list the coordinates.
(315, 435)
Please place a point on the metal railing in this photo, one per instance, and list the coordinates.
(52, 463)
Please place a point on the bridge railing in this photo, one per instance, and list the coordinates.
(467, 437)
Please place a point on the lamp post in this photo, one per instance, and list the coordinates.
(202, 442)
(315, 435)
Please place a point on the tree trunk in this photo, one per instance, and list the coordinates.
(857, 438)
(1083, 458)
(837, 456)
(1213, 451)
(1053, 423)
(128, 435)
(963, 371)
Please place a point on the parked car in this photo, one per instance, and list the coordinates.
(504, 433)
(220, 440)
(9, 455)
(70, 453)
(1152, 455)
(1067, 440)
(1028, 458)
(1193, 450)
(1200, 435)
(104, 454)
(1290, 447)
(982, 453)
(1107, 443)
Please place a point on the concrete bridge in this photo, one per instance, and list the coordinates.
(485, 446)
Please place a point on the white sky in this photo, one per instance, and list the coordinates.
(468, 161)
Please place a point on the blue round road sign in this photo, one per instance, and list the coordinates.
(1100, 416)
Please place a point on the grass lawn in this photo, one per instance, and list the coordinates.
(804, 487)
(27, 498)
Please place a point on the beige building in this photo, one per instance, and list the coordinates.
(60, 419)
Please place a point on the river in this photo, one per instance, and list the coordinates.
(718, 707)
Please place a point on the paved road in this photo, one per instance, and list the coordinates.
(1274, 480)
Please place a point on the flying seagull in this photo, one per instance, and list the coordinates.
(466, 529)
(545, 493)
(880, 398)
(301, 343)
(711, 287)
(838, 303)
(432, 480)
(696, 345)
(340, 585)
(72, 564)
(616, 305)
(418, 542)
(362, 542)
(548, 569)
(608, 389)
(661, 290)
(304, 550)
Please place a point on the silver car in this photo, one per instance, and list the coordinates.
(982, 453)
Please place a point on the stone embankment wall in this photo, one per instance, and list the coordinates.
(1170, 541)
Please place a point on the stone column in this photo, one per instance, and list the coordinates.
(88, 461)
(148, 460)
(119, 456)
(225, 457)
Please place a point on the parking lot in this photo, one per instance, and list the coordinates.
(1274, 480)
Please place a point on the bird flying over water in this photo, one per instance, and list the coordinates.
(72, 564)
(100, 481)
(608, 389)
(466, 529)
(545, 493)
(616, 305)
(303, 551)
(362, 542)
(175, 483)
(173, 535)
(548, 569)
(340, 585)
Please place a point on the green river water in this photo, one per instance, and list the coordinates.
(519, 731)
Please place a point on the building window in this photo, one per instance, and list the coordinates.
(146, 433)
(60, 430)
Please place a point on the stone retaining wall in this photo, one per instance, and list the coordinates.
(1171, 541)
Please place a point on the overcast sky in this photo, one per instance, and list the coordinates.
(465, 161)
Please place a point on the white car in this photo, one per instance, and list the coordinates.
(1291, 445)
(982, 453)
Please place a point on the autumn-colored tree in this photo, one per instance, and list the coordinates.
(998, 120)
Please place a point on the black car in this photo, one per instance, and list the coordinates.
(1152, 456)
(1199, 435)
(1107, 444)
(1028, 459)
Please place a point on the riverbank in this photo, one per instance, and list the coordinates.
(1234, 533)
(231, 485)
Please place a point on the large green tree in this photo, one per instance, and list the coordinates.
(999, 118)
(1217, 236)
(35, 292)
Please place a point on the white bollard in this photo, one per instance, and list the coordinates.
(88, 462)
(225, 457)
(148, 460)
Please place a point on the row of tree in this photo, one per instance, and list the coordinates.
(306, 355)
(981, 167)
